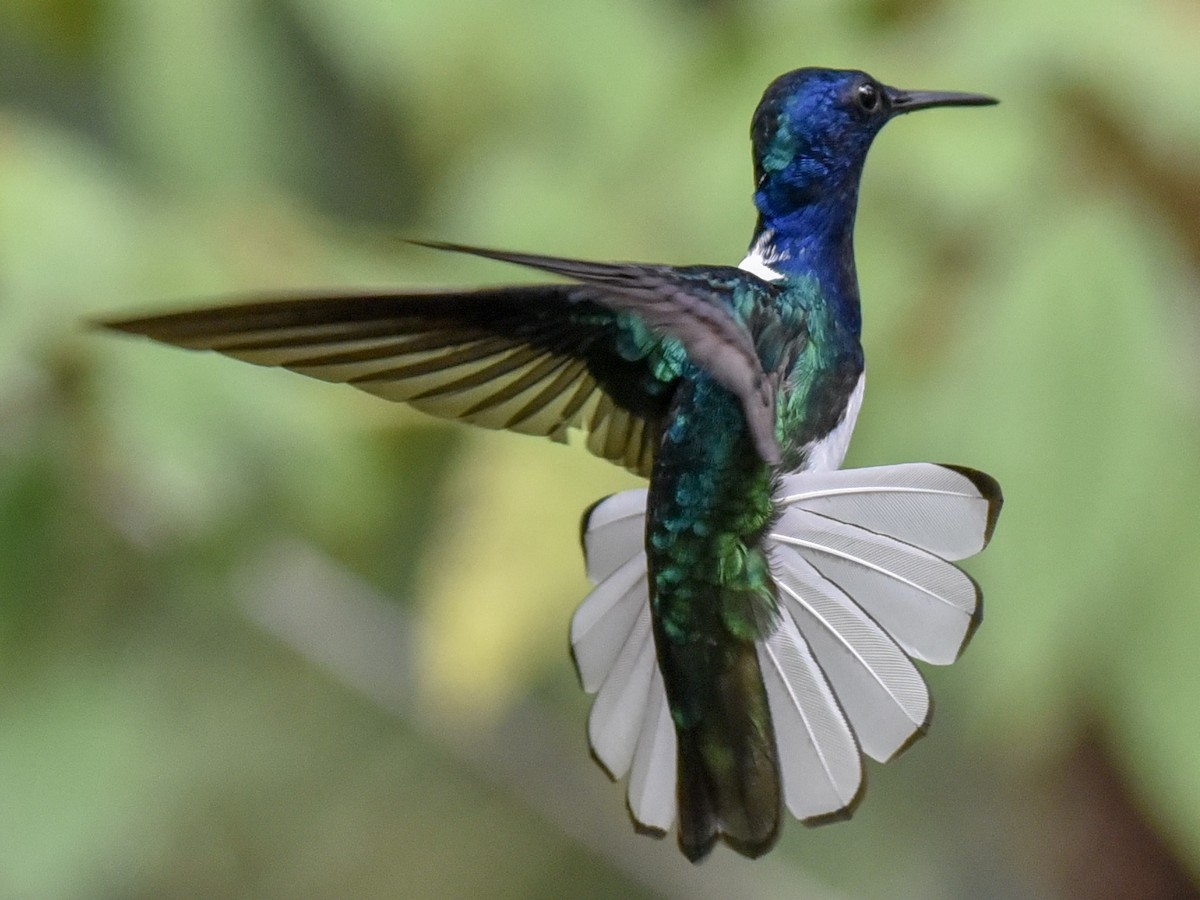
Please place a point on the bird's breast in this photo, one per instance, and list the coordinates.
(827, 452)
(819, 403)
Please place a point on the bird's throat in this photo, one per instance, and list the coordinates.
(813, 240)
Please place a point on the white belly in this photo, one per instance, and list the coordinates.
(829, 451)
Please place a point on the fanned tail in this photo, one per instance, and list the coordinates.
(861, 560)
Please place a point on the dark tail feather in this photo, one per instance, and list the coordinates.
(729, 784)
(698, 828)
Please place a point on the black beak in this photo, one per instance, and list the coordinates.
(908, 101)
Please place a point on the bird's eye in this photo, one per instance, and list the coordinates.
(867, 96)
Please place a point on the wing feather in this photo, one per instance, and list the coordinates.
(489, 347)
(538, 360)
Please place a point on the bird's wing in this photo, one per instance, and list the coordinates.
(698, 307)
(537, 360)
(602, 355)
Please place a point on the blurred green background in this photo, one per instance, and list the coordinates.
(265, 637)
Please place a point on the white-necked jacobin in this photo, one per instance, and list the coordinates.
(757, 609)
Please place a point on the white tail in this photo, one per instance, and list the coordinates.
(861, 559)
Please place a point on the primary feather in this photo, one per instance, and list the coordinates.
(537, 360)
(603, 356)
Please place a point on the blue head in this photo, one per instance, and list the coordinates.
(810, 135)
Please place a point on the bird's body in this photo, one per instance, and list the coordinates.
(711, 502)
(735, 391)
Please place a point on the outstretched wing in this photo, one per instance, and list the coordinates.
(603, 355)
(537, 360)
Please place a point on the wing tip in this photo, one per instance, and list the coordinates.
(447, 246)
(93, 323)
(506, 256)
(190, 328)
(696, 850)
(137, 325)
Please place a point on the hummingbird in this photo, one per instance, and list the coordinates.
(757, 609)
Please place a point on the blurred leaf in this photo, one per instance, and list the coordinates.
(505, 570)
(202, 92)
(1058, 386)
(66, 25)
(1152, 653)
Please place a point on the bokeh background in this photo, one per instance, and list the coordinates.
(266, 637)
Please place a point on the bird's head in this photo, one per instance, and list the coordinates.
(813, 127)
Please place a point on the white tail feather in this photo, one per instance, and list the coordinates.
(925, 603)
(615, 531)
(818, 756)
(630, 727)
(882, 693)
(604, 621)
(652, 781)
(617, 715)
(933, 507)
